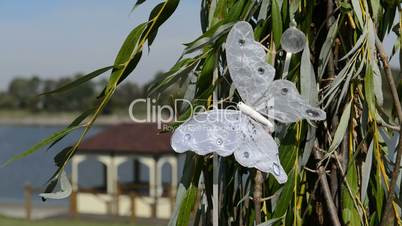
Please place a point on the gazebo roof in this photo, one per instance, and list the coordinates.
(129, 138)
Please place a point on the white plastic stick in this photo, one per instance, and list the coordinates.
(215, 164)
(255, 115)
(286, 66)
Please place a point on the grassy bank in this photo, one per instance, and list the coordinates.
(4, 221)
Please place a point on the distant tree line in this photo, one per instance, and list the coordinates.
(24, 94)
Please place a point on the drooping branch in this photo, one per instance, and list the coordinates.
(325, 187)
(258, 180)
(388, 214)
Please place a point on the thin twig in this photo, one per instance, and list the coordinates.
(258, 179)
(356, 201)
(388, 214)
(325, 187)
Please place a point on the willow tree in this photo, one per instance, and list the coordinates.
(341, 171)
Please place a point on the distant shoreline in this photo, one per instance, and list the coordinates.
(21, 118)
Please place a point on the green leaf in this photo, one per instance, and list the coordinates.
(137, 3)
(75, 122)
(79, 81)
(187, 206)
(209, 37)
(189, 182)
(376, 10)
(308, 84)
(62, 156)
(285, 197)
(219, 11)
(263, 13)
(180, 69)
(236, 10)
(126, 51)
(276, 22)
(271, 222)
(359, 42)
(373, 63)
(369, 91)
(326, 48)
(127, 54)
(342, 128)
(42, 143)
(366, 170)
(350, 214)
(205, 78)
(159, 15)
(358, 12)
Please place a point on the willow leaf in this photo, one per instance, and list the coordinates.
(357, 45)
(285, 196)
(187, 206)
(369, 91)
(308, 84)
(127, 53)
(326, 48)
(366, 169)
(342, 128)
(42, 143)
(74, 123)
(180, 69)
(208, 37)
(276, 22)
(263, 13)
(358, 12)
(374, 63)
(185, 195)
(79, 81)
(271, 222)
(158, 16)
(137, 3)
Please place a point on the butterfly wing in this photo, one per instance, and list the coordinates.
(259, 150)
(246, 62)
(65, 189)
(283, 102)
(207, 132)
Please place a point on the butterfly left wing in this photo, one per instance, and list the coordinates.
(65, 189)
(283, 102)
(259, 150)
(207, 132)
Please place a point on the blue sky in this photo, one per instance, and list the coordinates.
(54, 38)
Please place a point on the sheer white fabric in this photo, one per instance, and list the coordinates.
(229, 132)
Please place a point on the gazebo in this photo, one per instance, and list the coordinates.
(140, 143)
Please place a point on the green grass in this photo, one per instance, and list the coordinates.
(4, 221)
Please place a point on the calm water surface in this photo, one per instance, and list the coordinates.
(37, 168)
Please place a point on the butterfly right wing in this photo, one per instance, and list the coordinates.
(246, 63)
(259, 150)
(283, 102)
(211, 131)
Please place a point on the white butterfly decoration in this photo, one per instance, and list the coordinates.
(246, 132)
(65, 189)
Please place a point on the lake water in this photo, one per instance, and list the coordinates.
(37, 168)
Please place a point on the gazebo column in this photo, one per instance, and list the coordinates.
(117, 161)
(174, 166)
(75, 161)
(110, 173)
(151, 164)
